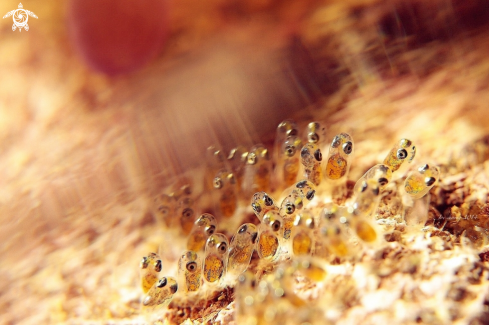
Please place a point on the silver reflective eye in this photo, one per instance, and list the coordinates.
(429, 181)
(219, 155)
(210, 230)
(251, 159)
(284, 126)
(200, 221)
(158, 266)
(291, 132)
(217, 183)
(162, 283)
(313, 137)
(364, 186)
(423, 168)
(144, 263)
(348, 147)
(401, 154)
(336, 142)
(256, 207)
(289, 151)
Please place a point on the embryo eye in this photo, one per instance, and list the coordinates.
(401, 153)
(348, 147)
(192, 267)
(222, 247)
(162, 283)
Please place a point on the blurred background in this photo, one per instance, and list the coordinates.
(104, 103)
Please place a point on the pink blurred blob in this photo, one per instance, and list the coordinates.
(117, 36)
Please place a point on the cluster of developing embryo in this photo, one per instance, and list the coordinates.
(297, 234)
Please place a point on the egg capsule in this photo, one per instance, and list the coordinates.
(285, 129)
(305, 189)
(257, 171)
(246, 297)
(381, 173)
(190, 270)
(286, 155)
(261, 203)
(281, 289)
(185, 214)
(291, 203)
(245, 291)
(288, 162)
(203, 227)
(241, 249)
(366, 202)
(161, 294)
(289, 222)
(311, 158)
(164, 208)
(215, 161)
(225, 193)
(274, 221)
(269, 233)
(237, 161)
(289, 208)
(420, 181)
(334, 232)
(315, 133)
(339, 157)
(215, 258)
(403, 151)
(336, 240)
(150, 268)
(303, 241)
(366, 197)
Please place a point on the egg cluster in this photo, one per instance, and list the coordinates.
(297, 235)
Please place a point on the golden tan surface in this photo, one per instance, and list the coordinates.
(83, 155)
